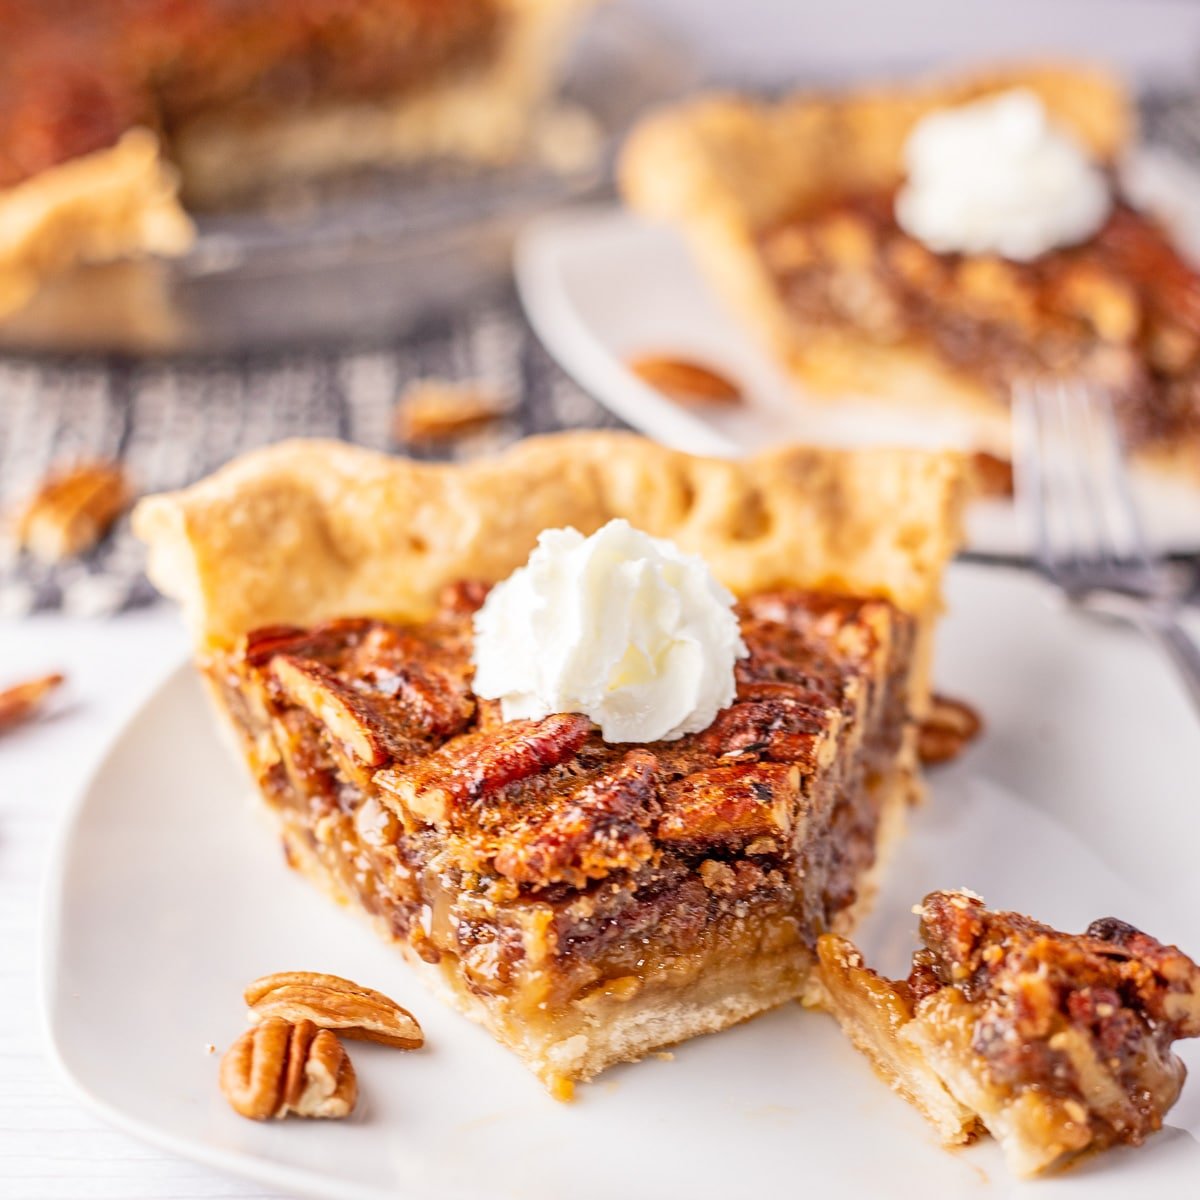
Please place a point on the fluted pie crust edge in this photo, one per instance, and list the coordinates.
(308, 530)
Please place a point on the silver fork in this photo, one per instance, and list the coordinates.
(1072, 480)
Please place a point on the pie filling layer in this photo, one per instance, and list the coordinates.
(1122, 308)
(586, 901)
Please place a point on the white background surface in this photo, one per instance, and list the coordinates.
(49, 1147)
(778, 38)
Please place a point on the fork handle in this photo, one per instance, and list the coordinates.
(1178, 646)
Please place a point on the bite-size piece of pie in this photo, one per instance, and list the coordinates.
(791, 209)
(106, 108)
(1057, 1044)
(586, 901)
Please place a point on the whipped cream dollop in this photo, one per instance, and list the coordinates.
(997, 176)
(620, 626)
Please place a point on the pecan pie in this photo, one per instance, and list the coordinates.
(104, 107)
(1058, 1044)
(587, 902)
(789, 207)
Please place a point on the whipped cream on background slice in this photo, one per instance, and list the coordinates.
(996, 176)
(619, 626)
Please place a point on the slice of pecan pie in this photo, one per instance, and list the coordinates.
(1058, 1044)
(586, 901)
(790, 209)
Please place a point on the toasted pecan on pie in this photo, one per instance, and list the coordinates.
(1058, 1044)
(587, 902)
(789, 208)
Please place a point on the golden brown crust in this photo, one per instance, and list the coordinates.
(307, 531)
(872, 1011)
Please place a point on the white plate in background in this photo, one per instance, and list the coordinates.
(600, 285)
(168, 893)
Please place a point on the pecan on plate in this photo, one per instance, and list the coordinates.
(948, 727)
(282, 1067)
(685, 380)
(72, 510)
(331, 1002)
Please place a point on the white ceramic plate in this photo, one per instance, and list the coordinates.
(169, 892)
(600, 285)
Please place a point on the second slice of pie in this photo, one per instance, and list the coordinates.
(587, 901)
(793, 209)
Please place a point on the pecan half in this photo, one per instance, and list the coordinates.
(432, 686)
(282, 1067)
(731, 805)
(20, 702)
(783, 727)
(476, 764)
(321, 641)
(331, 1002)
(947, 729)
(72, 510)
(600, 830)
(433, 410)
(683, 379)
(372, 726)
(993, 475)
(464, 597)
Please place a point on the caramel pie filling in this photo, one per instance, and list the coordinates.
(552, 879)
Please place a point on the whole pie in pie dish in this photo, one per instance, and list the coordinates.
(586, 901)
(790, 207)
(1057, 1044)
(105, 109)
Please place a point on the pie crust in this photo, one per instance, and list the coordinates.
(728, 171)
(587, 903)
(310, 530)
